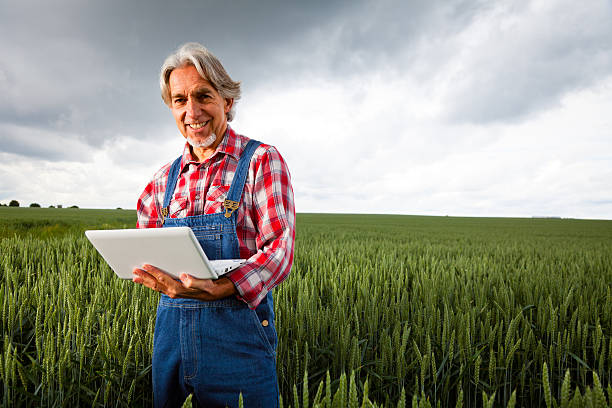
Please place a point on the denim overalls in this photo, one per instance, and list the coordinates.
(214, 349)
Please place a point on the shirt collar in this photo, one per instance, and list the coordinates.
(231, 144)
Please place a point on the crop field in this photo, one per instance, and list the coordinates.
(379, 311)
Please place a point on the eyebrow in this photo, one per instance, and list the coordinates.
(202, 91)
(197, 92)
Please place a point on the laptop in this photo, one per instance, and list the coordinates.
(174, 250)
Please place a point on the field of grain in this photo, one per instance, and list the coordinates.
(379, 310)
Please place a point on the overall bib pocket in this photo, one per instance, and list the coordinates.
(209, 237)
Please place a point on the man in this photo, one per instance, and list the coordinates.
(216, 338)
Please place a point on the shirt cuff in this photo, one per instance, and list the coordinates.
(249, 285)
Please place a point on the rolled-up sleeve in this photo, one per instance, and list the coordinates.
(274, 218)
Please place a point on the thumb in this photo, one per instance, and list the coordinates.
(187, 280)
(193, 283)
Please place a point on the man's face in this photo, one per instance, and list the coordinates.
(197, 107)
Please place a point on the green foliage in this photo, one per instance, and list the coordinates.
(378, 311)
(34, 205)
(72, 333)
(14, 203)
(47, 223)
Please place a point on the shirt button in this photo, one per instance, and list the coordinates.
(264, 323)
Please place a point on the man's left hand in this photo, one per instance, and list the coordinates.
(188, 287)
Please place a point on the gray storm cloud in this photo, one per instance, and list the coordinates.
(520, 62)
(446, 84)
(91, 68)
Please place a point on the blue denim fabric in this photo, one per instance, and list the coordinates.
(215, 233)
(215, 350)
(219, 349)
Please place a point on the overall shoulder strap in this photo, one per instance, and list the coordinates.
(175, 169)
(232, 202)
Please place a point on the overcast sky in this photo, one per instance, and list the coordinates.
(477, 108)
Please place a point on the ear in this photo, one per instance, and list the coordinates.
(229, 102)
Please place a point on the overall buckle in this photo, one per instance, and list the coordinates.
(230, 207)
(164, 214)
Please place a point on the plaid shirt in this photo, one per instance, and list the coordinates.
(265, 220)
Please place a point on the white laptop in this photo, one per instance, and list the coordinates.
(174, 250)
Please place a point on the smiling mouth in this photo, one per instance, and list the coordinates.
(198, 125)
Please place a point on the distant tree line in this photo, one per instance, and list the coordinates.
(15, 203)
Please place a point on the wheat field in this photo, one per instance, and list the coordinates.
(379, 310)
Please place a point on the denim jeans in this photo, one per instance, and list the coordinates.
(215, 350)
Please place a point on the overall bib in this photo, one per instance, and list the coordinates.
(214, 349)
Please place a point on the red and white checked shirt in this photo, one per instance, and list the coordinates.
(265, 222)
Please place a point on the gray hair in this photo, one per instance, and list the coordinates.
(208, 66)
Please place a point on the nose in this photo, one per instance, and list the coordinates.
(192, 108)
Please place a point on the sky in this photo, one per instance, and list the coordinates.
(460, 108)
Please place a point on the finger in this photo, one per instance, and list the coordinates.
(144, 277)
(135, 276)
(140, 275)
(166, 283)
(158, 274)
